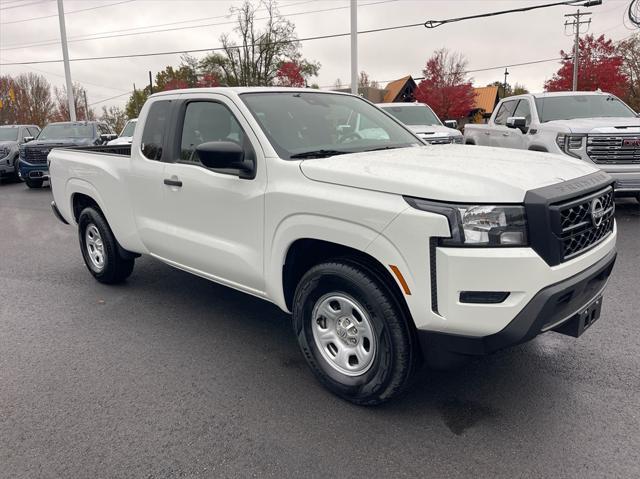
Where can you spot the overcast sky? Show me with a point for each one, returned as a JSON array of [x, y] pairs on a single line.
[[489, 42]]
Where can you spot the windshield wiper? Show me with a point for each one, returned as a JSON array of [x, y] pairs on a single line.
[[319, 154], [384, 148]]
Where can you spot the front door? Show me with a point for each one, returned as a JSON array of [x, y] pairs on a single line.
[[215, 218]]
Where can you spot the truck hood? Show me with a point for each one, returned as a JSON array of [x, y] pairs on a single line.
[[59, 142], [599, 125], [460, 173], [433, 130]]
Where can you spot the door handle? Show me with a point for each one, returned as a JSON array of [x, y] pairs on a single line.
[[487, 133], [506, 134], [170, 182]]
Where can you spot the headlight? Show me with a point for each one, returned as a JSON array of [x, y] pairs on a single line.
[[569, 142], [4, 151], [458, 140], [479, 225]]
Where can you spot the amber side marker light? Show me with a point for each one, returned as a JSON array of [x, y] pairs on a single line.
[[401, 280]]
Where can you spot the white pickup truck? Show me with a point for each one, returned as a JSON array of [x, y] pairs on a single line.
[[386, 251], [595, 127]]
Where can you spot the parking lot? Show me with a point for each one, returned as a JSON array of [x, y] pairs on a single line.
[[170, 375]]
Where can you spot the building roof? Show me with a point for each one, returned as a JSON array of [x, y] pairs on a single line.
[[486, 98], [395, 87]]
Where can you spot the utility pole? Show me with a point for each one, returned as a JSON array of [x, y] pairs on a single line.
[[150, 84], [86, 106], [354, 47], [65, 57], [575, 24], [504, 85]]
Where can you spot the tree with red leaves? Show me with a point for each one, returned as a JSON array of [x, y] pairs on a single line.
[[290, 74], [445, 87], [599, 67]]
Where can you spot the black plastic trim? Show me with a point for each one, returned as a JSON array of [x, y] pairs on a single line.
[[549, 305], [538, 203], [57, 214]]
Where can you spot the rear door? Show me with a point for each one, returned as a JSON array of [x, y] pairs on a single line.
[[148, 155], [216, 217]]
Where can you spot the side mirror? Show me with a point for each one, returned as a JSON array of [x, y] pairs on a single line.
[[27, 139], [451, 124], [108, 137], [225, 154], [519, 122]]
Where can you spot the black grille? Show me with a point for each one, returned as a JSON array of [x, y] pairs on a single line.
[[36, 156], [585, 221], [614, 149]]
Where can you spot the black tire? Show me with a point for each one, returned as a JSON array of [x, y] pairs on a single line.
[[31, 183], [396, 352], [16, 170], [115, 269]]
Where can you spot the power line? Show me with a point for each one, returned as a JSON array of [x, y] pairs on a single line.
[[85, 39], [24, 5], [68, 13], [197, 50]]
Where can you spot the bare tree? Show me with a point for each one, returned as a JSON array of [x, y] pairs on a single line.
[[253, 55], [62, 104], [629, 50], [115, 117], [26, 99]]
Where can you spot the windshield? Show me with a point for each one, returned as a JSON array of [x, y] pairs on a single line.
[[581, 106], [414, 115], [8, 134], [128, 129], [299, 123], [57, 131]]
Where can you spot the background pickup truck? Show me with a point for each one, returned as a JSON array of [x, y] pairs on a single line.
[[386, 251], [33, 154], [595, 127]]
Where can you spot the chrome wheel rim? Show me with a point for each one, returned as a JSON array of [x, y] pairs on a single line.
[[94, 246], [344, 334]]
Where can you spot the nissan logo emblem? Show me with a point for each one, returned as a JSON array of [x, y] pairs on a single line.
[[597, 212]]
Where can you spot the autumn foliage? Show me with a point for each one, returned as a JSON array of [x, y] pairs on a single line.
[[289, 74], [445, 87], [599, 67]]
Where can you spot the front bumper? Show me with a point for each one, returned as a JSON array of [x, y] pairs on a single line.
[[34, 171], [550, 308], [6, 165]]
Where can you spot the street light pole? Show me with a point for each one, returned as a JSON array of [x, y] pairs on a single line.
[[504, 85], [354, 47], [65, 57]]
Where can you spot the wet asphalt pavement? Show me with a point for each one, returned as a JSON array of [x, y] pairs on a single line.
[[170, 375]]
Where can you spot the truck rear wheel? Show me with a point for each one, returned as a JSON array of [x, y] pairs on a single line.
[[100, 249], [353, 333], [33, 183]]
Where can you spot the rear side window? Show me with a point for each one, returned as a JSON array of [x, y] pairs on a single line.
[[505, 111], [155, 130]]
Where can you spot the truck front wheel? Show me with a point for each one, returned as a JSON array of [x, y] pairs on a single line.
[[100, 249], [353, 333]]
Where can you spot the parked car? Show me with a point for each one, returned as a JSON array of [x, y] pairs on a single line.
[[385, 251], [421, 119], [33, 154], [595, 127], [126, 135], [11, 137]]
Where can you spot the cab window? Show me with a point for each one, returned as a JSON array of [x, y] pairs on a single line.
[[207, 121], [505, 111], [523, 110]]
